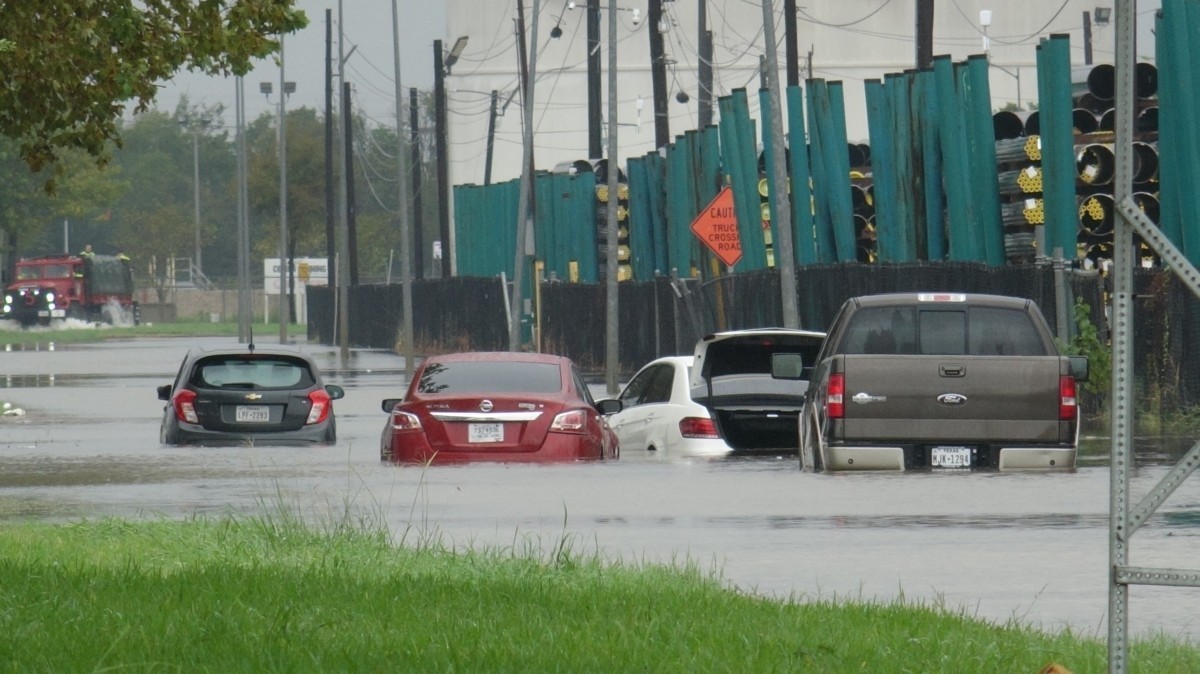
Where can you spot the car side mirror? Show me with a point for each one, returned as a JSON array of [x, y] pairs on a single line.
[[164, 392], [609, 406], [787, 366], [335, 392], [1079, 367], [390, 403]]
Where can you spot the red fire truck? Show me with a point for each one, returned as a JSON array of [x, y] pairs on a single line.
[[86, 287]]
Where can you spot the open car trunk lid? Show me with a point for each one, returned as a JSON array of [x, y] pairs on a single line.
[[754, 410]]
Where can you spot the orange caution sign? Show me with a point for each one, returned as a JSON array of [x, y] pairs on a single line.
[[717, 228]]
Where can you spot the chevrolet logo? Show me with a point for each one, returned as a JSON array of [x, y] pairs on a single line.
[[253, 396]]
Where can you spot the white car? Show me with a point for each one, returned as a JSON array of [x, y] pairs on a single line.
[[659, 415]]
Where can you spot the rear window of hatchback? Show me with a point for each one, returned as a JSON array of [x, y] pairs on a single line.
[[252, 372]]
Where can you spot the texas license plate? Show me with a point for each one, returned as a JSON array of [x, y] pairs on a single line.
[[951, 457], [253, 413], [485, 433]]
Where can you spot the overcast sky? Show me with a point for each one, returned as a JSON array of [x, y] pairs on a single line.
[[369, 68]]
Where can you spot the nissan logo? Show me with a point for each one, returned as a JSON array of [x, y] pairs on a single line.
[[485, 406], [952, 399]]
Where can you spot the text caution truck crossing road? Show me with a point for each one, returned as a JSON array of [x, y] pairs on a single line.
[[717, 228]]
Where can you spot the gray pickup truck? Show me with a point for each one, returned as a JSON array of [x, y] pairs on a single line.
[[919, 381]]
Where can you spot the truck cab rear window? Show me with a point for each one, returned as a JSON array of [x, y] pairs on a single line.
[[976, 331]]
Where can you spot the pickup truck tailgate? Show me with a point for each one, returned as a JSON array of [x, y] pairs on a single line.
[[952, 398]]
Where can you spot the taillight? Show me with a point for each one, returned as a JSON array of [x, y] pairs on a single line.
[[698, 427], [320, 406], [569, 422], [835, 396], [405, 421], [185, 407], [1068, 406]]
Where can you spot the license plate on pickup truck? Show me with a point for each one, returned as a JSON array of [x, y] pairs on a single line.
[[253, 413], [485, 433], [950, 457]]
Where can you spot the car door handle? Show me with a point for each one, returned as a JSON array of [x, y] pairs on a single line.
[[952, 369]]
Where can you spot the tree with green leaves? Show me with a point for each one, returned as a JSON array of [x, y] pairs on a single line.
[[72, 66]]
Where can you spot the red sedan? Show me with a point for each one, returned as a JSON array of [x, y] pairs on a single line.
[[497, 406]]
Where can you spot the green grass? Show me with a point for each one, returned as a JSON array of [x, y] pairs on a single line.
[[17, 336], [270, 595]]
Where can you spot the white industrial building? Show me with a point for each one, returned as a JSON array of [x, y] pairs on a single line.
[[849, 41]]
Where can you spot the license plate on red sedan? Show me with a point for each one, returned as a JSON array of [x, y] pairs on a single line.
[[950, 457], [485, 433], [253, 413]]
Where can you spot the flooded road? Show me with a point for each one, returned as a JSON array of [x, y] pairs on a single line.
[[1033, 547]]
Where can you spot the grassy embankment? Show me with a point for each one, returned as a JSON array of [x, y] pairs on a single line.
[[269, 594]]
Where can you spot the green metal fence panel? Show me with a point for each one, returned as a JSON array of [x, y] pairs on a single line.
[[883, 165], [1058, 145], [768, 166], [1170, 105], [982, 144], [486, 228], [818, 108], [657, 258], [1178, 141], [841, 202], [743, 157], [802, 214], [954, 159], [642, 220], [932, 227]]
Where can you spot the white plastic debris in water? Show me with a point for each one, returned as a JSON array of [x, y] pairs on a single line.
[[10, 411]]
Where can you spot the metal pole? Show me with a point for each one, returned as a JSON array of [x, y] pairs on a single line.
[[524, 232], [611, 354], [245, 310], [343, 270], [704, 69], [786, 260], [440, 149], [418, 238], [402, 199], [285, 309], [595, 150], [196, 188], [1087, 38], [658, 75], [491, 140], [1122, 346]]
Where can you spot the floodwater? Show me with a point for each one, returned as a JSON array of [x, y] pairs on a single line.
[[1031, 547]]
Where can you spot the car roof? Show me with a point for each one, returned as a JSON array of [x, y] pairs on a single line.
[[928, 298], [759, 332], [498, 357], [197, 352]]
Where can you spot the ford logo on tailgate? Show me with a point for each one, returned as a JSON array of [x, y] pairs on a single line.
[[952, 399]]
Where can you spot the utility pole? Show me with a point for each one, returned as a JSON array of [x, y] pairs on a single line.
[[524, 246], [351, 201], [402, 200], [443, 171], [924, 34], [658, 76], [330, 232], [1087, 38], [414, 123], [491, 140], [786, 259], [343, 301], [611, 352], [595, 151], [285, 300], [792, 39], [245, 311], [705, 69]]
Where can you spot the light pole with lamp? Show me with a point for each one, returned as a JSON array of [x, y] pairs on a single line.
[[195, 126], [285, 267], [985, 20]]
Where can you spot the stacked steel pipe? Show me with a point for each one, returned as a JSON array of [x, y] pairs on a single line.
[[1095, 162]]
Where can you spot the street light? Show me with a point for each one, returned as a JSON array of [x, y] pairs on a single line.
[[285, 266], [985, 20]]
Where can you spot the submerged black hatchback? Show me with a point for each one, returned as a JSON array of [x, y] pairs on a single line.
[[248, 396]]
